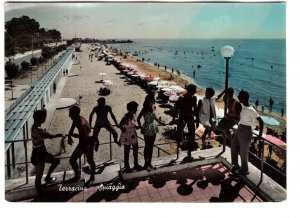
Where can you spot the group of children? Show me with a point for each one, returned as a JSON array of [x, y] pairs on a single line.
[[237, 112], [88, 140]]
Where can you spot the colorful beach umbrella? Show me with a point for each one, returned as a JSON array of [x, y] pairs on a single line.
[[153, 83], [200, 131], [174, 98], [276, 141], [149, 78], [270, 121]]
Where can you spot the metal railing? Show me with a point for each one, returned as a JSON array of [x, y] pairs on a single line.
[[280, 175], [11, 164]]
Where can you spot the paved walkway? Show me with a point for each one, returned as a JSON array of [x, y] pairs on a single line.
[[210, 183]]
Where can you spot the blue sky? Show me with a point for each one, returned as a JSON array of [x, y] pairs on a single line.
[[157, 20]]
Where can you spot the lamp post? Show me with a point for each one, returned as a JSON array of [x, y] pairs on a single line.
[[32, 46], [227, 52], [32, 68]]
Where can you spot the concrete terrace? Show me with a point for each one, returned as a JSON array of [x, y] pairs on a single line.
[[198, 181]]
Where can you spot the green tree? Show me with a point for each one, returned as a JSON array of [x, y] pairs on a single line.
[[54, 34], [12, 70], [34, 61], [23, 25], [23, 34], [25, 65]]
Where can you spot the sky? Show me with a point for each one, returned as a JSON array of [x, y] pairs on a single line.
[[157, 20]]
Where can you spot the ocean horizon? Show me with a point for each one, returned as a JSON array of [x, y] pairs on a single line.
[[257, 66]]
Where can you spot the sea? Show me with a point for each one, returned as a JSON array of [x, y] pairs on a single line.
[[257, 66]]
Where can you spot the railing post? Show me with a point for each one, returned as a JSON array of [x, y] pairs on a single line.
[[13, 155], [110, 147], [8, 163], [261, 144], [158, 154], [84, 159], [26, 159], [80, 163]]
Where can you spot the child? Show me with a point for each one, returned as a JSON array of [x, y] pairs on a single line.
[[40, 155], [128, 136], [242, 138], [149, 129], [102, 110], [207, 112]]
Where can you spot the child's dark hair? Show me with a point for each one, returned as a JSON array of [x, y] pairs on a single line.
[[148, 99], [101, 101], [132, 106], [191, 88], [75, 110], [210, 91], [39, 114], [244, 94]]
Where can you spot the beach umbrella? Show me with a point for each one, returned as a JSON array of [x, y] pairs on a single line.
[[149, 78], [160, 86], [183, 92], [174, 98], [276, 141], [153, 83], [280, 146], [270, 121], [200, 131], [166, 89], [169, 93], [176, 88], [142, 76], [108, 83], [102, 74]]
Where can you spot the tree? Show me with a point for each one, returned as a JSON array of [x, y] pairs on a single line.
[[23, 33], [25, 65], [34, 61], [41, 59], [12, 70], [47, 52], [23, 25], [54, 34]]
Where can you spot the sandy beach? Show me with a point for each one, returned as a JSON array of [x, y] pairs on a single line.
[[82, 81]]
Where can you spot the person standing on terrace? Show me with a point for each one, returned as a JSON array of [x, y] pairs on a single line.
[[232, 115], [128, 136], [85, 145], [207, 112], [243, 136], [149, 129], [102, 111], [39, 155], [187, 106]]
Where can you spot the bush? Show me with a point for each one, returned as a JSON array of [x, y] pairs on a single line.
[[34, 61], [41, 60], [47, 52], [25, 65], [12, 70]]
